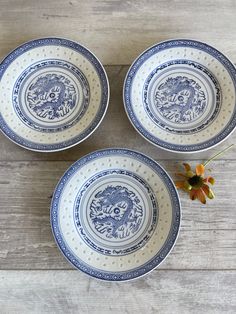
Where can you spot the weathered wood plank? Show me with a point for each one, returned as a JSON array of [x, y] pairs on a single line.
[[112, 132], [33, 248], [117, 31], [207, 239], [159, 292]]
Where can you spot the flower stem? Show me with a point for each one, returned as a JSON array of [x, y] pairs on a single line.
[[217, 155]]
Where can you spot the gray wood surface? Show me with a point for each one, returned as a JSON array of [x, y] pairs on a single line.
[[119, 30], [200, 273], [163, 292]]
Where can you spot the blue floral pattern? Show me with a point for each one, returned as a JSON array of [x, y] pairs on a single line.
[[51, 96], [115, 212], [180, 99]]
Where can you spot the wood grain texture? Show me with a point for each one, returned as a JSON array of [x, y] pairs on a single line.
[[207, 238], [164, 292], [112, 132], [34, 248], [119, 30], [199, 276]]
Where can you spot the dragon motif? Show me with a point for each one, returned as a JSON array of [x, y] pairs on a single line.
[[51, 96], [180, 99], [116, 212]]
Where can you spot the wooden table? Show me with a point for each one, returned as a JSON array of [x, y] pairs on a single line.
[[199, 276]]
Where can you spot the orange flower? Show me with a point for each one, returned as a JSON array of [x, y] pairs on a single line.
[[195, 184]]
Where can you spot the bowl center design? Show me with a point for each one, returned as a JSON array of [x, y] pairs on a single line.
[[180, 99], [182, 96], [116, 212], [51, 96]]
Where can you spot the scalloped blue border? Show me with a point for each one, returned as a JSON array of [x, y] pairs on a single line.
[[104, 101], [139, 271], [128, 86]]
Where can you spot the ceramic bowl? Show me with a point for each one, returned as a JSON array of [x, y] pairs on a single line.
[[53, 94], [180, 95], [115, 214]]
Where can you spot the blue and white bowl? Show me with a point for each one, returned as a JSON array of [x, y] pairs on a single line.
[[180, 95], [53, 94], [115, 214]]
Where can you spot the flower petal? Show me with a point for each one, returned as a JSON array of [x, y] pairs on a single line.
[[181, 175], [209, 193], [193, 194], [200, 170], [190, 174], [187, 167], [205, 189], [187, 186], [201, 196], [179, 184], [210, 180]]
